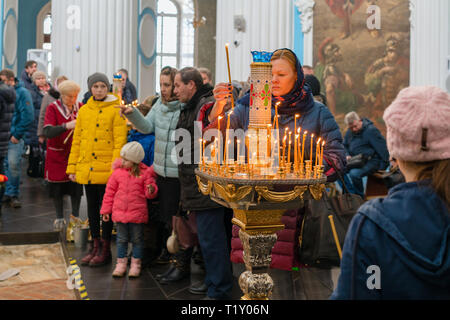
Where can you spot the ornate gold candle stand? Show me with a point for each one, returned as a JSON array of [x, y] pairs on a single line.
[[258, 204]]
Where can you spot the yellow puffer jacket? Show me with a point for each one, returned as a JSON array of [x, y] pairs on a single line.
[[99, 136]]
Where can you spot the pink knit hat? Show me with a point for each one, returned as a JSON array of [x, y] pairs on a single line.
[[418, 125]]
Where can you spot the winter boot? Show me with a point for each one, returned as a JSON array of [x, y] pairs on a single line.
[[121, 268], [182, 267], [94, 249], [104, 256], [135, 269]]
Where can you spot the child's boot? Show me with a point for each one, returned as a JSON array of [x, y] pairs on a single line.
[[135, 268], [121, 268]]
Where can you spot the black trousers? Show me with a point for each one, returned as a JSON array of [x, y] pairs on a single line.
[[169, 204], [169, 199], [94, 197]]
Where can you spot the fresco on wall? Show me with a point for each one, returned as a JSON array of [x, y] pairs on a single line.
[[360, 69]]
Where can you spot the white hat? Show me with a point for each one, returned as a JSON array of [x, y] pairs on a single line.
[[133, 152]]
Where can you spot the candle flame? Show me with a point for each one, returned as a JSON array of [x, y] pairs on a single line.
[[323, 143], [227, 45]]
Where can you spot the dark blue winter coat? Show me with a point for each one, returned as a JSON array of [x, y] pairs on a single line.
[[23, 112], [315, 118], [26, 80], [407, 235], [147, 142], [370, 142], [7, 105]]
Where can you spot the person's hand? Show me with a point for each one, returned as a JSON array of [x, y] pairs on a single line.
[[71, 125], [125, 110], [14, 140], [41, 139], [151, 189], [72, 177], [222, 92], [349, 157], [106, 217]]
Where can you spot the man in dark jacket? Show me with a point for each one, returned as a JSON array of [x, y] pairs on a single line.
[[218, 283], [7, 100], [22, 118], [363, 138], [27, 73]]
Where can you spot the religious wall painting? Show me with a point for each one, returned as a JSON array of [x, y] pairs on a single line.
[[361, 69]]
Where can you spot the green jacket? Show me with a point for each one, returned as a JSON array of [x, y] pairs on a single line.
[[162, 120]]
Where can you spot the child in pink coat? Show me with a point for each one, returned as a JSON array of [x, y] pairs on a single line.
[[127, 191]]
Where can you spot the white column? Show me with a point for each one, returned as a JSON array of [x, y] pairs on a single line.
[[9, 18], [93, 36], [430, 43], [146, 48], [268, 27]]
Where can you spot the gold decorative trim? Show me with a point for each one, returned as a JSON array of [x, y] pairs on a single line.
[[205, 189], [317, 191], [229, 192], [281, 196]]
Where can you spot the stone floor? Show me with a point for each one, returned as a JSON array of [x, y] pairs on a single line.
[[37, 215]]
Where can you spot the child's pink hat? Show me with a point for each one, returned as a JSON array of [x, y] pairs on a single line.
[[418, 125]]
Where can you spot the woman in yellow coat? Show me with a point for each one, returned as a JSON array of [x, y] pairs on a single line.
[[99, 135]]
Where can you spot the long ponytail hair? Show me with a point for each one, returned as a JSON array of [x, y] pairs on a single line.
[[439, 173]]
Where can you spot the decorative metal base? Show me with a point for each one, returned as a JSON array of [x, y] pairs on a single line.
[[258, 206]]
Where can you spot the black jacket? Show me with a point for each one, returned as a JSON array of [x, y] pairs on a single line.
[[191, 198], [7, 105]]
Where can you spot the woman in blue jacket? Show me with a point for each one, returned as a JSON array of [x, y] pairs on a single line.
[[399, 247], [295, 96]]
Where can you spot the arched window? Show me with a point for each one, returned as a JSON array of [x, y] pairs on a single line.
[[175, 35], [44, 33]]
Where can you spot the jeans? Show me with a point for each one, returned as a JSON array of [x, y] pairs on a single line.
[[357, 174], [130, 232], [213, 243], [13, 168]]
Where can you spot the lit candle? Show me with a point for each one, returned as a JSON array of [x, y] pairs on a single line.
[[238, 150], [201, 150], [284, 148], [203, 155], [296, 153], [312, 145], [303, 146], [318, 153], [321, 156], [290, 144], [218, 140], [269, 135], [275, 120], [229, 73], [227, 137]]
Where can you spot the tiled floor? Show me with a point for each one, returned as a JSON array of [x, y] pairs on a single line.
[[37, 215]]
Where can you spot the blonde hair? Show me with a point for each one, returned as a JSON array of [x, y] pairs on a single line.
[[38, 74], [286, 55], [68, 87]]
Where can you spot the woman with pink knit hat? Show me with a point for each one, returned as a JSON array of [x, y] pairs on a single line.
[[399, 247]]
